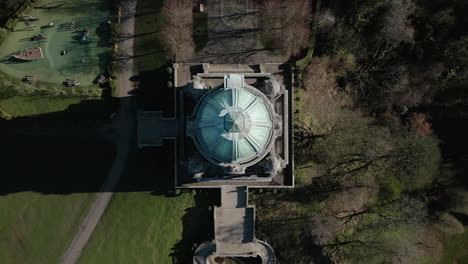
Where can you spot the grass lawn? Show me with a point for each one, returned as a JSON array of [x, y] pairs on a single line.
[[138, 228], [85, 59], [34, 105], [37, 228], [145, 221], [47, 187]]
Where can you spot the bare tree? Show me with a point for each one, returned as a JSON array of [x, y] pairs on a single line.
[[295, 33], [324, 229], [176, 34], [288, 22], [326, 20], [397, 25]]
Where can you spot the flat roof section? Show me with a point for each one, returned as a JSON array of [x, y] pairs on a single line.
[[153, 128]]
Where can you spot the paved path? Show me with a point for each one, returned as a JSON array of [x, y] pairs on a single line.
[[124, 125], [234, 230]]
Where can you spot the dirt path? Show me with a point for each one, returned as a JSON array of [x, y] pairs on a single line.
[[124, 125]]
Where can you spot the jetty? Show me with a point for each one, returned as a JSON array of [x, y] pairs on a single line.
[[29, 54]]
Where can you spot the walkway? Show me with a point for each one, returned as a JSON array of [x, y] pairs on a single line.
[[124, 125], [234, 229], [234, 223]]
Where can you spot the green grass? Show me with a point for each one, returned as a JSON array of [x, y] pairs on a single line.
[[138, 228], [455, 250], [145, 221], [18, 106], [3, 34], [48, 185], [84, 61], [302, 63], [37, 228]]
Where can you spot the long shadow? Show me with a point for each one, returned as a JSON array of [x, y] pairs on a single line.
[[153, 93], [129, 36], [58, 153], [24, 29], [71, 151], [151, 169], [286, 235], [11, 60], [198, 225]]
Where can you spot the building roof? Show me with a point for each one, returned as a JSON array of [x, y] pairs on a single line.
[[234, 124]]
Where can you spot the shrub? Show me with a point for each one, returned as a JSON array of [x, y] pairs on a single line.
[[390, 189]]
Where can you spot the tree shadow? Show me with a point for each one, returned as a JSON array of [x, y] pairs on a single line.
[[11, 60]]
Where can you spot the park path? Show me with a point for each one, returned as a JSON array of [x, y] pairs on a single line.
[[124, 125]]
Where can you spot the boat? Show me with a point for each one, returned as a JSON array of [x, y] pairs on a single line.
[[30, 54]]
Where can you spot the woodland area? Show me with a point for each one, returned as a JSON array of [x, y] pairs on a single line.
[[380, 141]]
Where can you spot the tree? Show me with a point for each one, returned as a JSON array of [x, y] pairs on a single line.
[[396, 23], [176, 33], [379, 76], [415, 160], [288, 22], [387, 233], [326, 20], [418, 122]]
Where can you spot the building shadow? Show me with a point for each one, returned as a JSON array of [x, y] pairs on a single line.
[[153, 92], [58, 153], [198, 225]]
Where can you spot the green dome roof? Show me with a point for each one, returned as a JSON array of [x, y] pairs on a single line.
[[234, 125]]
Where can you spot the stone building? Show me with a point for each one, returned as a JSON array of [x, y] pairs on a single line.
[[232, 127]]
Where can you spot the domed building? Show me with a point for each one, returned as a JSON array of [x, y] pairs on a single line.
[[239, 127], [235, 125], [231, 129], [231, 125]]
